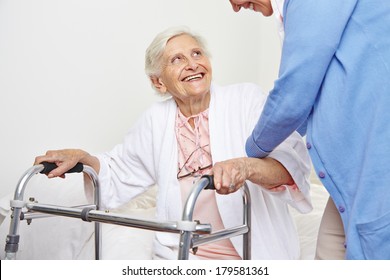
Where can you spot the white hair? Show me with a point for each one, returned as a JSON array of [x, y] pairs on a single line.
[[154, 52]]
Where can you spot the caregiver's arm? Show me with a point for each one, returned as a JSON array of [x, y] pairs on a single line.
[[307, 51]]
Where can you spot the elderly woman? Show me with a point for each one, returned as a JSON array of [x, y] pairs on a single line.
[[200, 130]]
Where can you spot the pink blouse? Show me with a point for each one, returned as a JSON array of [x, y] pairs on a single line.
[[194, 161]]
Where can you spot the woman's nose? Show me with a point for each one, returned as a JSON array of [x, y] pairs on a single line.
[[191, 64]]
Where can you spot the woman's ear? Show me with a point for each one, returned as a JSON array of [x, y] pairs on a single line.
[[158, 84]]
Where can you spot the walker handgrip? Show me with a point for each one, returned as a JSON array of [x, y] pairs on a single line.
[[49, 166], [211, 182]]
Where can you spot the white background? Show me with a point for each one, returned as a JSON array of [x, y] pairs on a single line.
[[72, 71]]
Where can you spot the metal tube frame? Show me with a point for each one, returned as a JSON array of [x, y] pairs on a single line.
[[17, 204], [189, 240], [192, 234]]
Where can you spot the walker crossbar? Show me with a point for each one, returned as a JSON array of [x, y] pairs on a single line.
[[90, 215], [192, 233], [29, 215]]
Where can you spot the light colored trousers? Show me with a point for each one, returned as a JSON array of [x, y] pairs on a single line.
[[331, 237]]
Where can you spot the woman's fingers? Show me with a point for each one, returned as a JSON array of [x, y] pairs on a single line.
[[229, 176], [64, 159], [62, 168], [278, 188]]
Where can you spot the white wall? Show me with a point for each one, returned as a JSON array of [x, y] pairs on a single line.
[[71, 71]]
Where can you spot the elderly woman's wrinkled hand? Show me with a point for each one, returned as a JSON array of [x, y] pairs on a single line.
[[230, 175], [64, 159]]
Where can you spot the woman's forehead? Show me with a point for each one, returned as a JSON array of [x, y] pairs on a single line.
[[180, 43]]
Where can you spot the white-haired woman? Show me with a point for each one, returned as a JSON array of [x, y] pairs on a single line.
[[200, 130]]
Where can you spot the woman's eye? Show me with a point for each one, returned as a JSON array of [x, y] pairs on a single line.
[[176, 60], [197, 53]]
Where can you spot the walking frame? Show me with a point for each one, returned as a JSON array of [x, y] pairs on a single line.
[[192, 233]]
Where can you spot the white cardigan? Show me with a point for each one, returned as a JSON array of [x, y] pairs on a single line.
[[149, 154]]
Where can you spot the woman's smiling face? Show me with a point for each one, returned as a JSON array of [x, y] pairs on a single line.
[[186, 70]]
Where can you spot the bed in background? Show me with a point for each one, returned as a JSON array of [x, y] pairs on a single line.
[[67, 238]]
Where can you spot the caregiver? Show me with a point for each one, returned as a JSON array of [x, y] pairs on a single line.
[[334, 85]]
